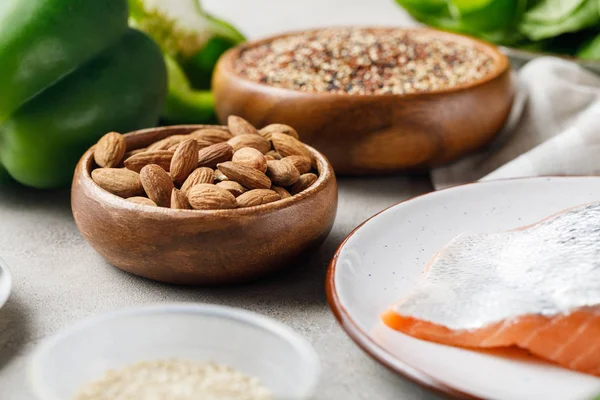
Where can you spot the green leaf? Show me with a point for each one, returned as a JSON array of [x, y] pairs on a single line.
[[424, 8], [498, 18], [591, 51], [467, 6], [587, 15], [548, 11]]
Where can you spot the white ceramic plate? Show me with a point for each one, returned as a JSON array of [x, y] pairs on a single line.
[[382, 260], [5, 283]]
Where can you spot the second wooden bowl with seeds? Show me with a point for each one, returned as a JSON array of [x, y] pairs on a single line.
[[373, 100], [204, 204]]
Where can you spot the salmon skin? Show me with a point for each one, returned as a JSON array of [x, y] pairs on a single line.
[[537, 288]]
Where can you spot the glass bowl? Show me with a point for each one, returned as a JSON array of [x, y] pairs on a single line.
[[5, 282], [260, 347]]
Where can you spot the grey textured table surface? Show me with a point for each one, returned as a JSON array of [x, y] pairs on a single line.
[[58, 278]]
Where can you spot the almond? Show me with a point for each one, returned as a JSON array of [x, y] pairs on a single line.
[[109, 150], [199, 175], [268, 130], [167, 142], [220, 177], [184, 160], [179, 200], [142, 200], [201, 144], [119, 181], [284, 194], [157, 184], [301, 163], [233, 187], [289, 146], [250, 157], [246, 176], [275, 155], [282, 173], [255, 141], [212, 135], [239, 126], [269, 157], [257, 197], [303, 183], [210, 197], [212, 155], [134, 152], [138, 161]]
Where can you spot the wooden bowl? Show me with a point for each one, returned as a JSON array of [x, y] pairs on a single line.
[[375, 134], [201, 247]]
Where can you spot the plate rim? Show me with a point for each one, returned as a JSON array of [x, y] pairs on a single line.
[[365, 342], [8, 276]]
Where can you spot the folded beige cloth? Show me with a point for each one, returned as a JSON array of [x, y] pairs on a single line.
[[554, 129]]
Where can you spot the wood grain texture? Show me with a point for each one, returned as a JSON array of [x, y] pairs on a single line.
[[377, 134], [201, 247]]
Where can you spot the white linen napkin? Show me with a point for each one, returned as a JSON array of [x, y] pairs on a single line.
[[554, 129]]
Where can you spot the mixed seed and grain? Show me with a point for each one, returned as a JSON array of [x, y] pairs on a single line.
[[208, 169], [364, 61]]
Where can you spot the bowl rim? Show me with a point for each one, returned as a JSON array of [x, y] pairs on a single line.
[[225, 64], [326, 175], [5, 282], [304, 349]]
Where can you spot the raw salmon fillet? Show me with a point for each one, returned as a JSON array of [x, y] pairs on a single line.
[[537, 288]]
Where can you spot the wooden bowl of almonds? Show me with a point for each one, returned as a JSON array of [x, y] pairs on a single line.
[[199, 204], [373, 100]]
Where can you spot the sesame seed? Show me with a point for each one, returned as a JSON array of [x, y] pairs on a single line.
[[174, 379], [364, 61]]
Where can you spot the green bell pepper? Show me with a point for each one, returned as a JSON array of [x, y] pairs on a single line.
[[192, 41], [70, 71]]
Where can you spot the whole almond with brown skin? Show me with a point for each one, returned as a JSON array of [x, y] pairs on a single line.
[[212, 135], [233, 187], [303, 183], [239, 126], [255, 141], [275, 155], [134, 152], [289, 146], [257, 197], [119, 181], [282, 173], [250, 157], [161, 158], [284, 194], [179, 200], [142, 200], [174, 147], [184, 160], [246, 176], [157, 184], [199, 175], [212, 155], [220, 177], [269, 158], [167, 142], [301, 163], [268, 130], [109, 150], [210, 197]]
